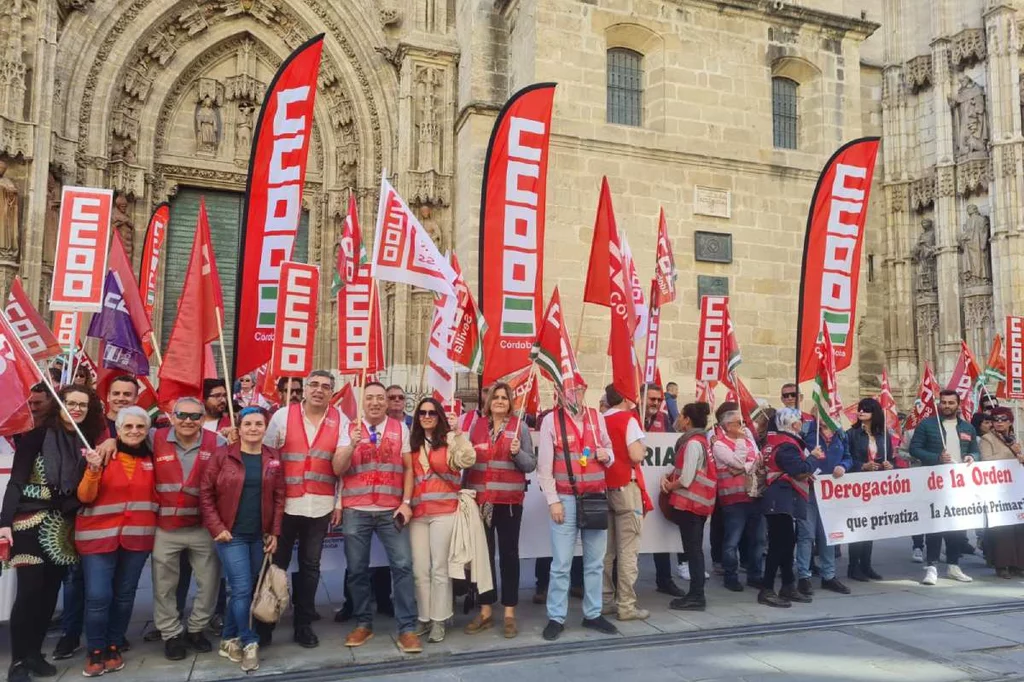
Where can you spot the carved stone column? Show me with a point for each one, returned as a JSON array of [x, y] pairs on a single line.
[[1008, 191]]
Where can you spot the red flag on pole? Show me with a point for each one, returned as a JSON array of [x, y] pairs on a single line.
[[469, 326], [525, 391], [67, 327], [122, 269], [553, 353], [28, 324], [18, 374], [195, 326], [965, 375], [1014, 386], [927, 396], [351, 253], [295, 330], [653, 332], [742, 395], [359, 330], [598, 287], [885, 398], [664, 266], [153, 247]]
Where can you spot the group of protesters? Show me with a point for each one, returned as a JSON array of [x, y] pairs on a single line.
[[213, 491]]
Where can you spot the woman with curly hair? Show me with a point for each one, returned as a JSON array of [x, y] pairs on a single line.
[[38, 518]]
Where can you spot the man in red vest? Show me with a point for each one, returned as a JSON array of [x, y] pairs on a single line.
[[625, 507], [376, 496], [215, 402], [180, 455], [312, 436]]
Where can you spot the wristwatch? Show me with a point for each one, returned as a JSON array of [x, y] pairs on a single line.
[[407, 502]]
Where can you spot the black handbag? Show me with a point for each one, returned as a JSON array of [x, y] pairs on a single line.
[[591, 508]]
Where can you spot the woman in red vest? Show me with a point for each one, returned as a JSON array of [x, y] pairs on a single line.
[[504, 455], [241, 499], [439, 454], [37, 520], [114, 535], [691, 488]]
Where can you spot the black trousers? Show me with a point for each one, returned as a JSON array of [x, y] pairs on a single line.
[[717, 534], [955, 541], [33, 608], [542, 573], [691, 532], [860, 556], [781, 544], [310, 533], [918, 541], [504, 533]]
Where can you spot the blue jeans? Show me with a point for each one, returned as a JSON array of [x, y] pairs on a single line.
[[74, 602], [358, 528], [808, 530], [743, 522], [240, 560], [110, 583], [563, 545]]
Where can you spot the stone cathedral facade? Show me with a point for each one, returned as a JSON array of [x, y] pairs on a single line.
[[722, 112]]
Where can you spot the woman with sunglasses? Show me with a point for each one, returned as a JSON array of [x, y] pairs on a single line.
[[439, 454], [504, 455], [114, 535], [872, 448], [37, 520], [1004, 545], [242, 502], [248, 395]]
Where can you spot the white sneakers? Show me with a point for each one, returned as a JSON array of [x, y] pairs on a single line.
[[953, 572], [917, 555], [683, 570], [931, 576]]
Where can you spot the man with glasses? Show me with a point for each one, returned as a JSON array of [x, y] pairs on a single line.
[[791, 397], [215, 403], [313, 436], [289, 391], [396, 404], [376, 493], [180, 455]]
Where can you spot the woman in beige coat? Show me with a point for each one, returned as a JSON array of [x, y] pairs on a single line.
[[1004, 545]]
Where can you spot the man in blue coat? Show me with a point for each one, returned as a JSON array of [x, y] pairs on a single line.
[[831, 456], [946, 439]]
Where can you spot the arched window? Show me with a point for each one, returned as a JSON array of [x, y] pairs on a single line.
[[784, 113], [625, 87]]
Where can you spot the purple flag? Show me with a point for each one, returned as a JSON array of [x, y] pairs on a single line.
[[113, 325]]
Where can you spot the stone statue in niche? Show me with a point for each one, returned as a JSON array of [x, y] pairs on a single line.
[[974, 241], [207, 126], [243, 130], [425, 213], [122, 222], [10, 229], [970, 124], [924, 255], [52, 220]]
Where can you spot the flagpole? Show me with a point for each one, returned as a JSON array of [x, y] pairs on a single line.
[[938, 419], [367, 346], [156, 348], [69, 368], [529, 388], [224, 360]]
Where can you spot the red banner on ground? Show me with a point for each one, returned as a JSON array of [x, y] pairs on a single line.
[[273, 203], [154, 246], [80, 263], [512, 217], [1015, 358], [295, 330], [832, 247]]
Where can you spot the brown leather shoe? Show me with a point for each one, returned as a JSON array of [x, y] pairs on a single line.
[[408, 643], [359, 637], [510, 630], [479, 624]]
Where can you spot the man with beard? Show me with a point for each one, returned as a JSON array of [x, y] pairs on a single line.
[[289, 391], [215, 404]]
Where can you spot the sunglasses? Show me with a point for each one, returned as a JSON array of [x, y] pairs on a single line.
[[397, 397], [189, 416], [427, 413], [789, 395], [999, 419]]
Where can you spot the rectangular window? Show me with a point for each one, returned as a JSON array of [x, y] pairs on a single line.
[[784, 113], [625, 87]]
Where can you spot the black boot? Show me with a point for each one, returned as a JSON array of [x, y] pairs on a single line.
[[18, 672], [790, 593], [769, 598], [39, 666]]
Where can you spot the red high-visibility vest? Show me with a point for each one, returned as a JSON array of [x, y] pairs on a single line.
[[775, 472], [659, 424], [179, 499], [436, 489], [699, 497], [307, 466], [494, 476], [732, 488], [123, 514], [376, 475], [589, 478], [620, 472]]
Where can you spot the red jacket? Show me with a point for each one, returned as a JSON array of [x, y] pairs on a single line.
[[221, 490]]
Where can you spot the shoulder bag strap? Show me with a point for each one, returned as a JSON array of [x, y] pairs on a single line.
[[565, 451]]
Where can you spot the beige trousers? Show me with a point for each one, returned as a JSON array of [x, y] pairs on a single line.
[[431, 538], [167, 545], [625, 518]]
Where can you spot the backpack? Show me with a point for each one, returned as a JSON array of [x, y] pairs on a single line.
[[270, 598]]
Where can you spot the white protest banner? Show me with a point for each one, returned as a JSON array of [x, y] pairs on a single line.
[[904, 502]]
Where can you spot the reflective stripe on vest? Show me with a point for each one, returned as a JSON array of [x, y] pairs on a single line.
[[376, 475], [589, 479], [179, 498], [732, 488], [699, 497], [307, 466], [775, 472], [436, 489], [495, 477], [124, 513]]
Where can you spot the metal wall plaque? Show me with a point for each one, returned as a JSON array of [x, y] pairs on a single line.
[[712, 201], [712, 247], [711, 285]]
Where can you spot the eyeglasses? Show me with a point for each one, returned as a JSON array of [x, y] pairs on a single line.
[[999, 419], [133, 427], [789, 395], [217, 395], [189, 416], [72, 405], [316, 385], [427, 413]]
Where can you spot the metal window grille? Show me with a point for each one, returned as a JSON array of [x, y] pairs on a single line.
[[784, 113], [625, 87]]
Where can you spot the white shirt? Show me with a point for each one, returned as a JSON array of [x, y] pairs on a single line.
[[312, 506], [405, 449], [546, 451], [952, 439]]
